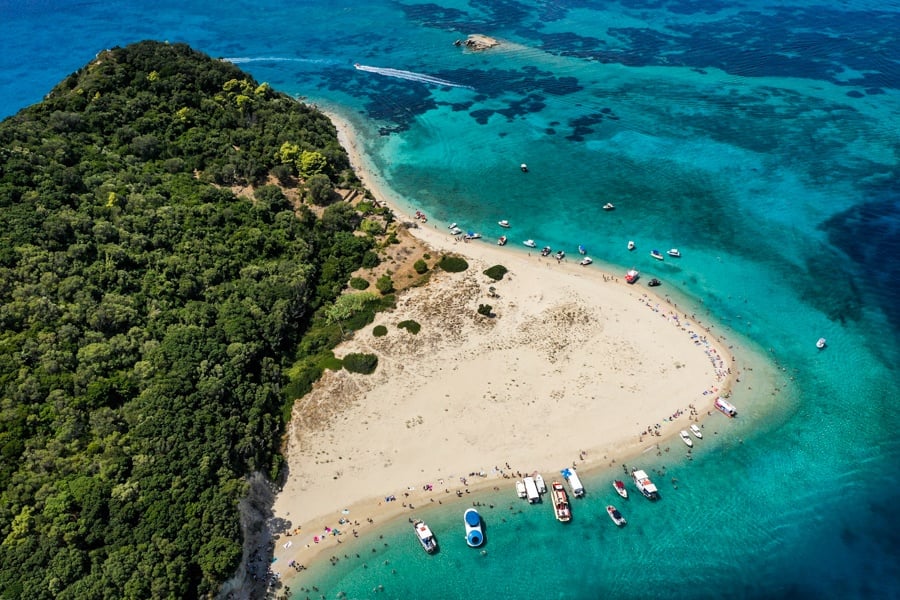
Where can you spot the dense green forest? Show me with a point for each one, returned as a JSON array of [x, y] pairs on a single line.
[[148, 316]]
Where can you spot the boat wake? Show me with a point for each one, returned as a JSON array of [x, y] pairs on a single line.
[[410, 76], [237, 60]]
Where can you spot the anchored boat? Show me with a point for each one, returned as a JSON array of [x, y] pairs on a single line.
[[561, 503], [474, 531], [425, 537], [644, 485]]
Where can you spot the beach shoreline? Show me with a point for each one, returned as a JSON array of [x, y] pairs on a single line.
[[321, 520]]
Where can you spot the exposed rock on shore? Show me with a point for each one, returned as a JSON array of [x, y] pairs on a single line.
[[476, 41]]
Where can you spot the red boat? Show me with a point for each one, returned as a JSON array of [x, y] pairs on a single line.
[[620, 488], [632, 275]]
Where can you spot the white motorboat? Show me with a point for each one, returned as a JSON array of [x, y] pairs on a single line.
[[504, 223], [656, 254], [502, 241], [686, 438], [455, 231], [609, 206], [820, 343], [696, 431], [615, 515], [426, 538], [574, 481], [474, 531], [673, 252], [619, 486], [726, 407], [644, 485], [582, 249], [561, 503], [524, 167], [531, 490], [473, 235], [586, 261], [631, 245], [530, 243], [451, 226], [546, 250], [539, 481], [520, 489]]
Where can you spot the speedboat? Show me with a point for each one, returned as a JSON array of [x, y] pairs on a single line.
[[472, 235], [608, 206], [503, 223], [631, 245], [619, 486], [455, 231], [426, 538], [615, 515], [654, 282], [520, 489], [586, 261], [530, 243], [474, 532], [673, 252], [539, 482], [632, 275], [546, 250], [696, 431], [524, 167], [560, 255], [820, 343], [502, 241], [582, 249], [686, 438], [561, 503], [656, 254], [450, 226]]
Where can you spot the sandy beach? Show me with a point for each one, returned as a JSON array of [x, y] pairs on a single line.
[[575, 367]]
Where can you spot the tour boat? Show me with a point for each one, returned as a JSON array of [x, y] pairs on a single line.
[[674, 253], [524, 167], [686, 438], [632, 275], [619, 486], [615, 515], [561, 502], [608, 206], [503, 223], [820, 343], [502, 241], [586, 260], [726, 407], [531, 490], [654, 282], [656, 254], [539, 481], [474, 532], [631, 245], [520, 489], [696, 431], [426, 538], [644, 485], [582, 249], [530, 243], [572, 477]]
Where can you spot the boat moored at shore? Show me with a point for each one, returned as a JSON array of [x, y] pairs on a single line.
[[531, 490], [686, 438], [632, 275], [539, 482], [502, 241], [560, 502], [425, 537], [644, 485], [619, 486], [615, 515], [520, 489], [474, 531], [574, 482], [726, 407], [696, 431], [586, 261]]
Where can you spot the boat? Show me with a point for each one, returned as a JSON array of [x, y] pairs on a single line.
[[619, 486], [726, 407], [474, 531], [524, 167], [686, 438], [572, 477], [560, 255], [472, 235], [696, 431], [654, 282], [632, 275], [502, 241], [504, 223], [530, 243], [609, 206], [539, 481], [631, 245], [615, 515], [426, 538], [673, 252], [531, 490], [586, 261], [455, 231], [520, 489], [582, 249], [820, 343], [450, 226], [644, 485], [546, 250], [561, 502], [656, 254]]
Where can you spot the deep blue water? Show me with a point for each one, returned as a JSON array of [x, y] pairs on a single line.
[[759, 138]]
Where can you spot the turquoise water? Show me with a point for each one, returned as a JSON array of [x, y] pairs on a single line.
[[759, 138]]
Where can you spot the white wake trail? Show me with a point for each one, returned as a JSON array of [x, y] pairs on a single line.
[[410, 76]]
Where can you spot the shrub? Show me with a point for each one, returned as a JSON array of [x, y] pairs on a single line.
[[360, 363], [385, 284], [420, 266], [370, 260], [411, 326], [453, 264], [358, 283], [379, 331], [496, 272]]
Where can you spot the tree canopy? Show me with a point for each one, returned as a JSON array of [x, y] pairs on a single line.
[[147, 315]]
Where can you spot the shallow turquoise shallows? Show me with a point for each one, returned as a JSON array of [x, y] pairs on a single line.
[[760, 139]]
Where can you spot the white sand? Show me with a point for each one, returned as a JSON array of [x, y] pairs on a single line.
[[573, 368]]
